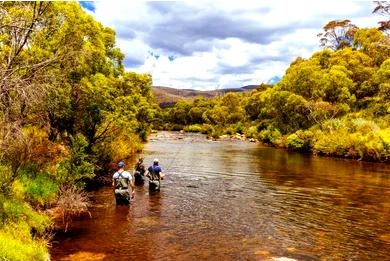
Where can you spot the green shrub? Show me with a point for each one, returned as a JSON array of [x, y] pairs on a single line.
[[361, 144], [294, 142], [216, 133], [76, 168], [300, 140], [250, 132], [240, 128], [270, 135], [17, 243], [16, 211], [40, 191], [229, 130], [207, 129], [193, 128], [333, 125], [363, 125], [6, 178]]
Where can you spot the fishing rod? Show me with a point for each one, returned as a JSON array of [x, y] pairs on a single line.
[[176, 154]]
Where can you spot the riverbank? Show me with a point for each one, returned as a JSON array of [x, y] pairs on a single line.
[[357, 139]]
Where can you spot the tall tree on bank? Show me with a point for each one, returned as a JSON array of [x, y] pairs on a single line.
[[383, 8], [337, 34]]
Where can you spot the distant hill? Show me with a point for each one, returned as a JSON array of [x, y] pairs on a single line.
[[167, 96]]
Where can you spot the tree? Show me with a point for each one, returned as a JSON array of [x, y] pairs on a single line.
[[23, 65], [337, 35], [304, 78], [383, 8], [373, 43], [283, 109]]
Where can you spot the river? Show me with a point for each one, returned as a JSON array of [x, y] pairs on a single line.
[[236, 200]]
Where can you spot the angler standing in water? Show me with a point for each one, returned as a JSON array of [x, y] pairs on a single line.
[[155, 176], [121, 182], [139, 172]]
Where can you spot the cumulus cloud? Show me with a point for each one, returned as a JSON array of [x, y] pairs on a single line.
[[205, 45]]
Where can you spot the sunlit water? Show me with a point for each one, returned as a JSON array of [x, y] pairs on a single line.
[[234, 200]]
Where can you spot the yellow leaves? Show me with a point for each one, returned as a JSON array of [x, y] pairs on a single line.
[[359, 139], [124, 146], [18, 190]]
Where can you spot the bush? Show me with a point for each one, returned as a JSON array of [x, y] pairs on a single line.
[[123, 147], [240, 128], [333, 125], [16, 211], [229, 130], [75, 168], [365, 142], [300, 140], [270, 135], [362, 125], [193, 128], [294, 142], [72, 202], [40, 191], [250, 132], [6, 178], [17, 243], [207, 129]]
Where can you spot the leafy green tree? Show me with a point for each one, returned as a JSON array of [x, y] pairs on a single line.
[[287, 111], [303, 78], [373, 43]]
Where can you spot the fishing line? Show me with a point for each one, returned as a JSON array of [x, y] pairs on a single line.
[[176, 154]]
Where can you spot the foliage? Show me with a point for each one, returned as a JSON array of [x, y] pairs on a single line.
[[270, 135], [40, 191], [17, 244], [75, 168], [193, 128], [14, 210], [301, 140]]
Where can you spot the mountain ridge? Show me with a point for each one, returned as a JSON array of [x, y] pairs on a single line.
[[168, 96]]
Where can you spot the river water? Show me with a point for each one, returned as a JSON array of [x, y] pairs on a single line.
[[236, 200]]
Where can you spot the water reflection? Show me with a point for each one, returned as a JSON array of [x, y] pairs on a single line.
[[241, 201]]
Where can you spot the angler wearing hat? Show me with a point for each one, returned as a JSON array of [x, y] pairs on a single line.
[[139, 172], [121, 182], [155, 176]]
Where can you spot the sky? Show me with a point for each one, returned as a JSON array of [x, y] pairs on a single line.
[[207, 45]]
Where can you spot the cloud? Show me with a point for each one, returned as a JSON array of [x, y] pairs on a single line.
[[204, 45]]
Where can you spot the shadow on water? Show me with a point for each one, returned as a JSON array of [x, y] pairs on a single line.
[[233, 200]]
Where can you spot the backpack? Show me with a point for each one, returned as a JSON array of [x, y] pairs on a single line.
[[121, 182]]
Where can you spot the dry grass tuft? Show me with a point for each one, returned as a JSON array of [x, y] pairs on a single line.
[[72, 202]]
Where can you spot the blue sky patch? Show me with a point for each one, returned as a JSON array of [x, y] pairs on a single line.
[[89, 5], [171, 57]]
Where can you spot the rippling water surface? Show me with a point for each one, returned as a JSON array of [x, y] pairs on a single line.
[[234, 200]]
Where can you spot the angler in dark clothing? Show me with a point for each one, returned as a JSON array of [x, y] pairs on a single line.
[[155, 176], [139, 172]]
